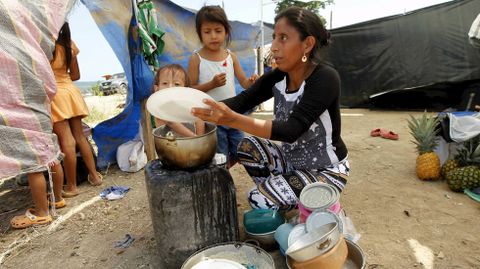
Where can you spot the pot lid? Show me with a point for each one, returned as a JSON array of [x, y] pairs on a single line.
[[318, 196], [218, 264], [319, 218]]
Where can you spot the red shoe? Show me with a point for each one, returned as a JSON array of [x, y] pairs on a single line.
[[389, 135], [377, 132]]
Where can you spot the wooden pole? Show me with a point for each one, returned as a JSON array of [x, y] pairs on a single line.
[[147, 130]]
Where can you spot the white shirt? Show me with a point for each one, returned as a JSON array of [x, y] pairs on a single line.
[[208, 69]]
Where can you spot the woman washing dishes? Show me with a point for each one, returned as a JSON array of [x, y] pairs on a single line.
[[306, 94]]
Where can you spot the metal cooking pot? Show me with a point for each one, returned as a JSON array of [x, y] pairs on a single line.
[[242, 253], [185, 152], [314, 243], [266, 240], [356, 258]]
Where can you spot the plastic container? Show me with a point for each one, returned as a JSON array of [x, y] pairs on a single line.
[[190, 210], [319, 196], [220, 160], [261, 221], [304, 213], [281, 235]]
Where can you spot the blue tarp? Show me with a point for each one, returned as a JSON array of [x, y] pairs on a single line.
[[114, 18]]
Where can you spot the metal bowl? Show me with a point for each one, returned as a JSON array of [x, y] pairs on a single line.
[[185, 152], [314, 243], [235, 251], [266, 240], [333, 259]]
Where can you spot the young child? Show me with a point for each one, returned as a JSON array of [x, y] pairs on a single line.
[[173, 75], [40, 215], [213, 70]]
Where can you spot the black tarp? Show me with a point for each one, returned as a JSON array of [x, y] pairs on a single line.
[[425, 47]]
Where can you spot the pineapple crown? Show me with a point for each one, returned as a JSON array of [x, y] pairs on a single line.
[[424, 132]]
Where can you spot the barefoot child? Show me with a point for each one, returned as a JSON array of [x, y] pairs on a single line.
[[173, 75], [213, 70]]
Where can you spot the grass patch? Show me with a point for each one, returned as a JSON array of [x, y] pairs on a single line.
[[95, 116]]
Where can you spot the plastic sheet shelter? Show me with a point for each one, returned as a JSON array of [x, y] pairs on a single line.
[[420, 48], [113, 18]]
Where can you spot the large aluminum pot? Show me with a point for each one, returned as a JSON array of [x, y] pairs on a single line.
[[239, 252], [185, 152], [356, 258]]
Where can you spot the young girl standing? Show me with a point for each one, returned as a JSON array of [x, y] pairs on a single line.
[[213, 70]]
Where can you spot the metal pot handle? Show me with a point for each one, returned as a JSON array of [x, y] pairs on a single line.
[[253, 242], [325, 244]]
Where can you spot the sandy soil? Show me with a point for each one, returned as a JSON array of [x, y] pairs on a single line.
[[103, 107], [403, 222]]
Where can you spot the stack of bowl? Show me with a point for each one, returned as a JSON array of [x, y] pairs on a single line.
[[318, 196], [261, 224]]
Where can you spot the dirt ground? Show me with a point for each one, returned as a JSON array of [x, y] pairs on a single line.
[[403, 222]]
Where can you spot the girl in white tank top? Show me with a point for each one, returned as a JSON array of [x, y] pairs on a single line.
[[213, 69]]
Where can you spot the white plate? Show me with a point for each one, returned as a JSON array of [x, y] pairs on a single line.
[[298, 231], [319, 218], [175, 104], [218, 264]]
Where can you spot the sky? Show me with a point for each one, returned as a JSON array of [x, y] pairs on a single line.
[[96, 58]]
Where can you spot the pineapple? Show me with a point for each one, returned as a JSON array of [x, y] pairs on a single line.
[[448, 166], [467, 176], [424, 132]]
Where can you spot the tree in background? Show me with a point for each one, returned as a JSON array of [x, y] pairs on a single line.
[[313, 6]]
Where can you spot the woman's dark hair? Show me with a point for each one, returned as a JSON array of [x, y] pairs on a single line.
[[175, 68], [307, 24], [64, 40], [212, 14]]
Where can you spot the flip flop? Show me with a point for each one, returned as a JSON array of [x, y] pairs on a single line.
[[29, 220], [69, 194], [93, 183], [389, 135], [376, 132]]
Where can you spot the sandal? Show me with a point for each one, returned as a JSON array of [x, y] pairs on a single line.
[[69, 194], [390, 135], [93, 183], [377, 132], [29, 220], [60, 204]]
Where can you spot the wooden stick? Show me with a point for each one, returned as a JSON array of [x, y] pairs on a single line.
[[147, 132]]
